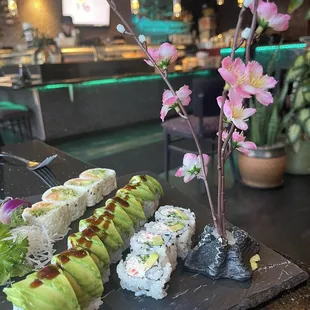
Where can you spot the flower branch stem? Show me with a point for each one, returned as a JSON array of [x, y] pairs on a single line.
[[238, 28], [252, 32], [163, 74]]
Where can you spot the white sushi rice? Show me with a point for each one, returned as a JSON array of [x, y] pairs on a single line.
[[105, 275], [115, 256], [56, 221], [77, 204], [169, 213], [126, 236], [152, 283], [107, 181], [183, 236], [94, 304], [140, 244], [93, 191]]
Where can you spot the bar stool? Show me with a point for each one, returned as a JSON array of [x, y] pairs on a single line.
[[14, 118]]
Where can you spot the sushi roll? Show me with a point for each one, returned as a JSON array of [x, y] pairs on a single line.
[[106, 177], [82, 273], [132, 206], [176, 213], [47, 289], [88, 240], [92, 189], [145, 275], [108, 234], [55, 217], [75, 199], [145, 242], [180, 230]]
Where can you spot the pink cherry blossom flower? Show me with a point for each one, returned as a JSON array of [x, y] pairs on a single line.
[[234, 111], [257, 83], [239, 142], [192, 167], [171, 102], [233, 72], [268, 16], [163, 56]]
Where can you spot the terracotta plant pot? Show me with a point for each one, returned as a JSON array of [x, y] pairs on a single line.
[[299, 163], [264, 167]]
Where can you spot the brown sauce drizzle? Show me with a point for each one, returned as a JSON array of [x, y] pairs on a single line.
[[36, 283], [49, 272], [88, 233], [64, 256], [122, 202], [110, 207], [85, 242], [130, 187], [143, 178]]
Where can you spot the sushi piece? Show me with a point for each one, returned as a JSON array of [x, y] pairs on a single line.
[[150, 181], [145, 242], [143, 193], [92, 189], [47, 289], [145, 275], [82, 273], [107, 178], [132, 206], [176, 213], [108, 234], [88, 240], [180, 230], [55, 217], [74, 198], [121, 220]]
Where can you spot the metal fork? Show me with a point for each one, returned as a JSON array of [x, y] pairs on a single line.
[[47, 176], [31, 165]]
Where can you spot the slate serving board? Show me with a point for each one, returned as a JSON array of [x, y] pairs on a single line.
[[192, 291]]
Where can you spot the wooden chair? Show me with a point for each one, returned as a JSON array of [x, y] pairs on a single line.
[[205, 120]]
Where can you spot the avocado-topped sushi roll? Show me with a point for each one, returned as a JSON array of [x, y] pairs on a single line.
[[107, 178], [132, 206], [88, 240], [75, 199], [120, 218], [92, 189], [47, 289], [174, 227], [55, 217], [107, 232], [151, 183], [145, 275], [82, 273], [176, 213], [145, 242]]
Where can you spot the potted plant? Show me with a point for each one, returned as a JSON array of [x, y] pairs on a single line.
[[297, 120]]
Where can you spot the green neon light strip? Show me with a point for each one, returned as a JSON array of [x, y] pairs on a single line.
[[267, 48], [132, 79]]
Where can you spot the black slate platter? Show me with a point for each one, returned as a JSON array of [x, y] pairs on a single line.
[[192, 291]]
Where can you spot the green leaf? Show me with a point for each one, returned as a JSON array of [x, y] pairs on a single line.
[[273, 126], [297, 70], [17, 218], [294, 133], [294, 5], [303, 114], [308, 14], [299, 99], [306, 126]]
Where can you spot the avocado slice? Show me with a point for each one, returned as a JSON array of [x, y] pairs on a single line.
[[151, 260], [105, 230], [81, 267], [46, 289], [175, 226], [115, 213], [130, 204], [152, 183], [157, 241], [179, 213], [88, 240], [139, 190]]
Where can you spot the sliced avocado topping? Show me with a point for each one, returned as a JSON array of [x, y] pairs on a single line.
[[175, 227], [157, 240], [151, 260], [181, 214], [81, 182], [152, 183], [139, 190]]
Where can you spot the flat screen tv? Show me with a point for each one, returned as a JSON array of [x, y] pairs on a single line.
[[87, 12]]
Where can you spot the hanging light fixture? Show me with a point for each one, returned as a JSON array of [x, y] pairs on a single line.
[[177, 8], [240, 3], [135, 6], [12, 7], [220, 2]]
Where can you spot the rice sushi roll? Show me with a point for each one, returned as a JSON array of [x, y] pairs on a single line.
[[145, 242], [92, 189], [75, 199], [108, 234], [47, 289], [88, 240], [145, 275], [106, 177], [176, 213], [82, 273], [179, 229], [55, 217], [151, 182]]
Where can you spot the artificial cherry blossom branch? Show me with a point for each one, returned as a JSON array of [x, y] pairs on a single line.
[[251, 37]]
